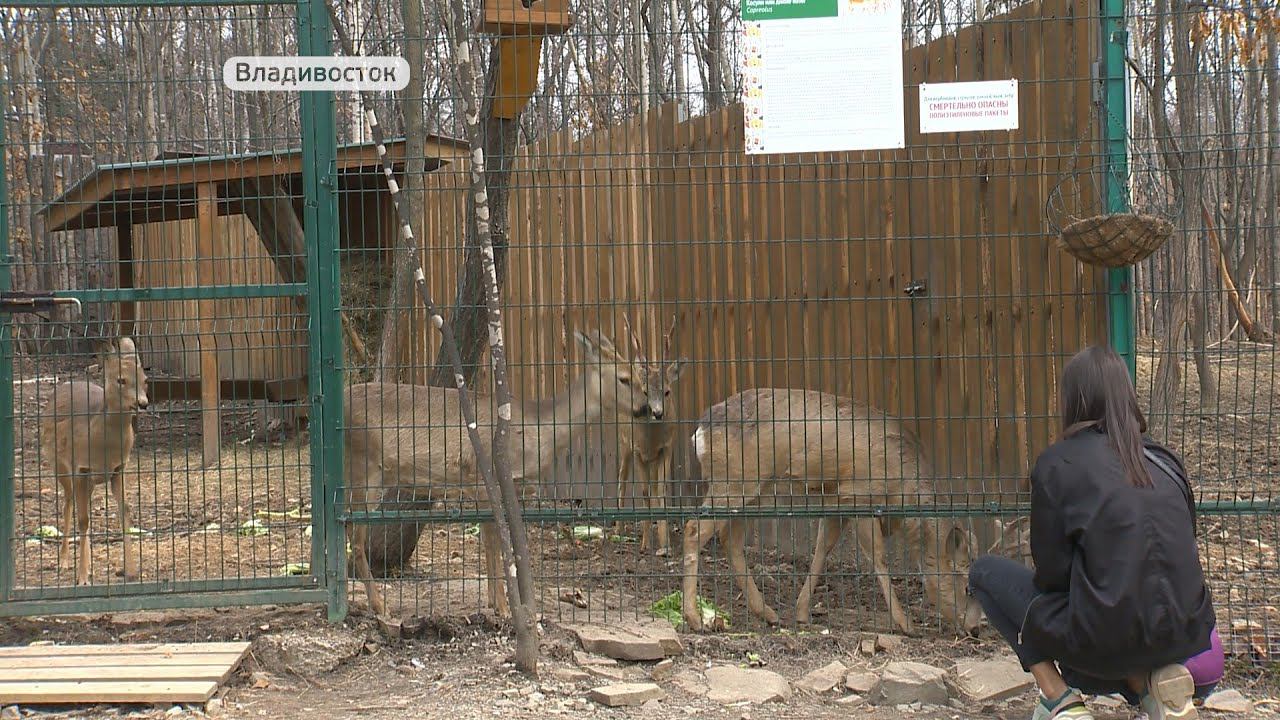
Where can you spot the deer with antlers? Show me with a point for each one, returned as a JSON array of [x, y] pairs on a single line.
[[644, 444]]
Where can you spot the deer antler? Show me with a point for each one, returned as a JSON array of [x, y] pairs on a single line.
[[666, 338], [636, 352]]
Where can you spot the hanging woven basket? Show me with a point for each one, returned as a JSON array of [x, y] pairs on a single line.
[[1076, 213], [1115, 240]]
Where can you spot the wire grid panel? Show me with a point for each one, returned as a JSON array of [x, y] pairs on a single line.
[[167, 418], [911, 299], [1206, 309]]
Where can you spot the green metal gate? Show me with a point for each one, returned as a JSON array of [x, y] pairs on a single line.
[[227, 524]]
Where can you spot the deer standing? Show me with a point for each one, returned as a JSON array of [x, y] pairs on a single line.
[[414, 435], [644, 445], [768, 442], [87, 438]]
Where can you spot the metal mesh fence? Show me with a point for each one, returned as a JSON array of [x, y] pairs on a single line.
[[910, 309], [156, 450]]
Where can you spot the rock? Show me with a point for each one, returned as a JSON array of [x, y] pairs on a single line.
[[861, 682], [11, 713], [569, 675], [903, 683], [308, 652], [824, 678], [868, 646], [584, 659], [1228, 701], [213, 708], [690, 682], [889, 643], [728, 685], [851, 700], [662, 670], [648, 641], [990, 681], [616, 673], [626, 694]]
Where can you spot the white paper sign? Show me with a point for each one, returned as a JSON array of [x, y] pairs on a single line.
[[969, 106], [829, 82]]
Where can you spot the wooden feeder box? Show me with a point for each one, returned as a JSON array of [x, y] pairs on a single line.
[[511, 17]]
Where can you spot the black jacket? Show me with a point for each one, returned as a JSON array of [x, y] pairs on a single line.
[[1117, 566]]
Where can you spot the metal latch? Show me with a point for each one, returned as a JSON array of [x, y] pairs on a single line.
[[916, 288], [16, 302]]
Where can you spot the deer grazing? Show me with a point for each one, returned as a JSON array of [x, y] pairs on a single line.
[[644, 445], [87, 437], [415, 435], [763, 443]]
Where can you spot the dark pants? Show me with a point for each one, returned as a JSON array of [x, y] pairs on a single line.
[[1005, 590]]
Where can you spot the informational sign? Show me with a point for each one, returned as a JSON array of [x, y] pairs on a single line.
[[822, 75], [969, 106]]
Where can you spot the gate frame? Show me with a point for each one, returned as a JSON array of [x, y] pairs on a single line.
[[326, 582]]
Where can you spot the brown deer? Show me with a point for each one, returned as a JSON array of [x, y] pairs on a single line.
[[414, 435], [644, 445], [87, 437], [768, 442]]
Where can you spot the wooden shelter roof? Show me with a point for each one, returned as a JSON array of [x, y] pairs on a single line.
[[165, 188]]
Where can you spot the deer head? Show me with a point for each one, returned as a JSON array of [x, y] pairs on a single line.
[[123, 378], [659, 377]]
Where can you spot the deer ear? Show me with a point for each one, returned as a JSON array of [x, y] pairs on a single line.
[[588, 345], [675, 369]]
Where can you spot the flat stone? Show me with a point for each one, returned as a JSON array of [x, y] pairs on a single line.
[[990, 681], [889, 643], [690, 682], [584, 659], [861, 682], [730, 685], [1228, 701], [662, 670], [851, 700], [904, 683], [632, 641], [824, 678], [616, 673], [569, 675], [868, 646], [626, 694]]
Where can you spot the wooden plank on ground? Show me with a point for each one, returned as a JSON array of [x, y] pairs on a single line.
[[195, 648], [65, 692], [139, 673]]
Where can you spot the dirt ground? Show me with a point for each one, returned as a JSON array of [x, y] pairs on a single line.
[[460, 667], [191, 520]]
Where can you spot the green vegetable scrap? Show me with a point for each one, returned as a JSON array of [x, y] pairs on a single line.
[[668, 608]]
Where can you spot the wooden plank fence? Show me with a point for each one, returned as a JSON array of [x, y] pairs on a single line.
[[795, 269]]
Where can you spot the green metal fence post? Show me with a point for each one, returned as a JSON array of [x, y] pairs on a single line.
[[320, 220], [8, 503], [1115, 39]]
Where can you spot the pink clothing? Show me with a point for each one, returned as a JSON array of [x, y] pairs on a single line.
[[1207, 667]]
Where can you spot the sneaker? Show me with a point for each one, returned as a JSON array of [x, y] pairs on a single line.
[[1069, 707], [1170, 690]]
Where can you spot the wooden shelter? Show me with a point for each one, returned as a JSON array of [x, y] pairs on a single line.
[[190, 219]]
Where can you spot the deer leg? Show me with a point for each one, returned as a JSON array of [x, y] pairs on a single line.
[[830, 530], [130, 571], [68, 496], [624, 481], [496, 581], [361, 488], [735, 539], [657, 496], [871, 539], [696, 533], [358, 535], [83, 491]]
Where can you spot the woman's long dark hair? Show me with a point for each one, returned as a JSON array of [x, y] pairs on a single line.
[[1097, 393]]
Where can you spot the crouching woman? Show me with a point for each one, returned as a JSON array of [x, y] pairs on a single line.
[[1117, 603]]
